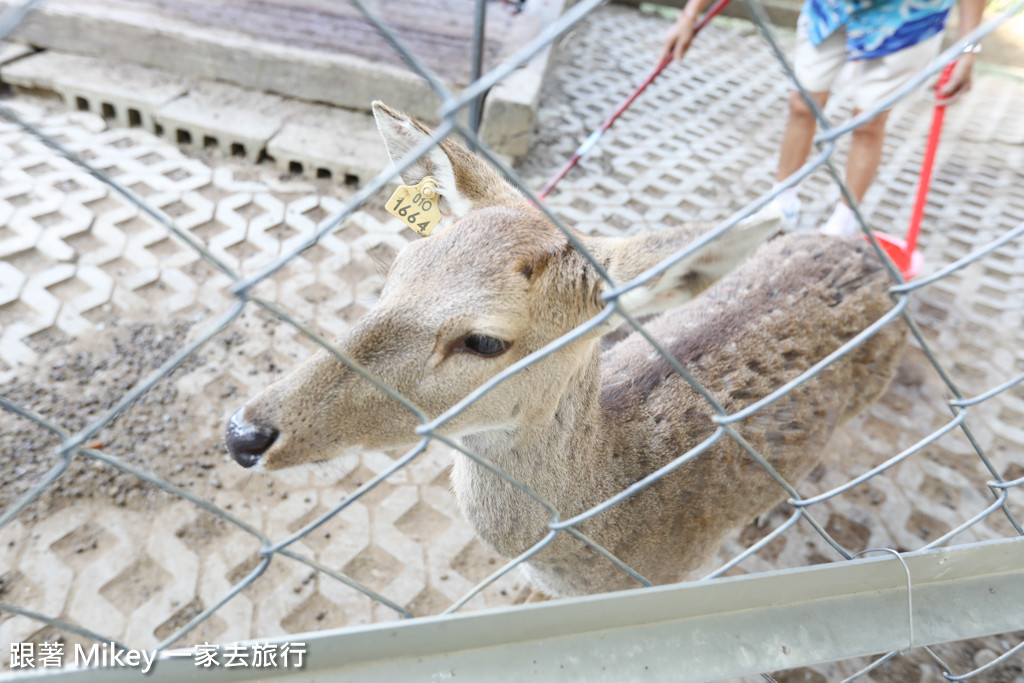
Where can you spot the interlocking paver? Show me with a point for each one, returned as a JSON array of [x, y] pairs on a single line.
[[125, 93], [698, 145]]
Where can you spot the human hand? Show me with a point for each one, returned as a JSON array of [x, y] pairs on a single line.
[[959, 81], [679, 37]]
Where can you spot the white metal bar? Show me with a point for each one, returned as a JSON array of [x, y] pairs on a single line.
[[694, 632]]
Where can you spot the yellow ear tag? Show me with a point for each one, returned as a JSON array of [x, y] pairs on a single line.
[[417, 205]]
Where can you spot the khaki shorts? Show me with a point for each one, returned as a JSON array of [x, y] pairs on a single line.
[[870, 80]]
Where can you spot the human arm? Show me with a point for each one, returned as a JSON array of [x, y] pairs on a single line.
[[960, 80], [679, 37]]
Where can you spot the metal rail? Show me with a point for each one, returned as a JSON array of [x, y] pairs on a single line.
[[701, 631], [719, 627]]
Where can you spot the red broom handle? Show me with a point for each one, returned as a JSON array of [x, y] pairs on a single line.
[[589, 143], [928, 162]]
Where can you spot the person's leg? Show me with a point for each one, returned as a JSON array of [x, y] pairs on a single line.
[[816, 69], [866, 143], [799, 135], [876, 80]]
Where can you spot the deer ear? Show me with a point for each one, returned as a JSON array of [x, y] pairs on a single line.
[[464, 181], [628, 257]]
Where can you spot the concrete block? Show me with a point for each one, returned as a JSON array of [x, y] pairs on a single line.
[[30, 74], [135, 33], [123, 92], [507, 121], [151, 37], [10, 52], [238, 121], [326, 142]]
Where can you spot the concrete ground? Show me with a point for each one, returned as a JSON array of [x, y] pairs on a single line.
[[276, 78], [94, 296]]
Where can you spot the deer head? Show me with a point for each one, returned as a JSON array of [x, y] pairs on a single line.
[[496, 282]]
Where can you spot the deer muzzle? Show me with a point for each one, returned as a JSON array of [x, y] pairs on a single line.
[[248, 442]]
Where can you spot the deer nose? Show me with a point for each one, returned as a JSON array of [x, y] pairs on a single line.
[[248, 442]]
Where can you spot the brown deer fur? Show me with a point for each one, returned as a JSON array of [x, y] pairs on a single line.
[[579, 425]]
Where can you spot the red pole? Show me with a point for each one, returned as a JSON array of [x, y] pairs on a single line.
[[592, 139], [924, 183]]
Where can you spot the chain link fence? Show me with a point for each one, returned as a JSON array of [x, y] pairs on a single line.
[[77, 444]]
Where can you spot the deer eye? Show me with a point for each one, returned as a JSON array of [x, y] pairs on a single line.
[[485, 346]]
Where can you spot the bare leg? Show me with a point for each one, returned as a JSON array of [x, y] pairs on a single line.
[[865, 155], [799, 135]]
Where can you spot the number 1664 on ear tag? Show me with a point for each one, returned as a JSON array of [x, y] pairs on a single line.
[[417, 205]]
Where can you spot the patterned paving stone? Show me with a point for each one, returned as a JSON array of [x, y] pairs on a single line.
[[699, 145], [707, 142]]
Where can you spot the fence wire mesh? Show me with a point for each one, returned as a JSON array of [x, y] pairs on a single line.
[[77, 444]]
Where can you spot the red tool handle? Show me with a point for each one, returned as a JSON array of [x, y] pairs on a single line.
[[926, 165], [592, 139]]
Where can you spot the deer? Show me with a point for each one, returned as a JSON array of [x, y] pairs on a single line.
[[498, 281]]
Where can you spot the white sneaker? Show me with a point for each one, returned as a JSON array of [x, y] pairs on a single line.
[[842, 222], [768, 212], [791, 220], [789, 204], [785, 207]]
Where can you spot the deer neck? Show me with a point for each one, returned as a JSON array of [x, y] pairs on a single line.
[[557, 457]]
